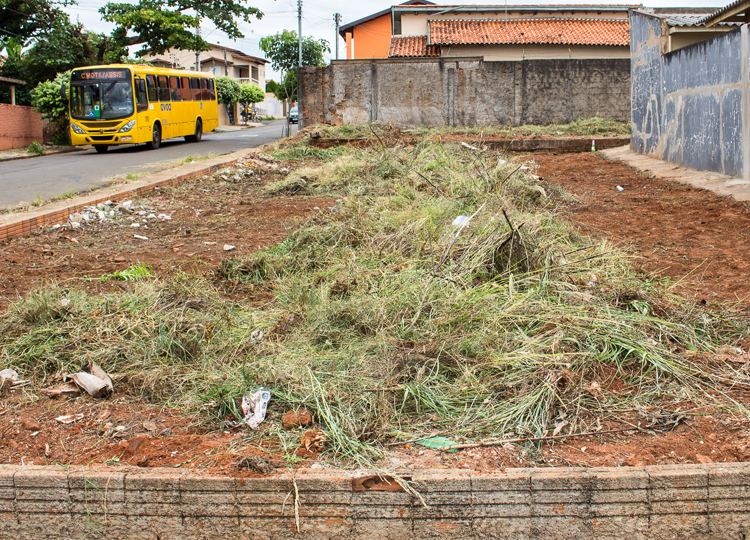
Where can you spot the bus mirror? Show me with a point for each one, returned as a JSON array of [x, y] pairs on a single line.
[[63, 92]]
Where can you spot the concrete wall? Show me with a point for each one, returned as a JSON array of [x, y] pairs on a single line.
[[688, 104], [19, 126], [695, 502], [465, 91]]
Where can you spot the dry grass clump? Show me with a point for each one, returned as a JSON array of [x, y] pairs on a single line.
[[395, 317]]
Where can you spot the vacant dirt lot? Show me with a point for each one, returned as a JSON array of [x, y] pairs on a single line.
[[697, 240]]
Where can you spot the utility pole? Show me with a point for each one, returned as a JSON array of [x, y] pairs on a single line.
[[197, 52], [226, 69], [337, 20], [299, 65]]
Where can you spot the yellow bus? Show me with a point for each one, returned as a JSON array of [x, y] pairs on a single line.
[[132, 104]]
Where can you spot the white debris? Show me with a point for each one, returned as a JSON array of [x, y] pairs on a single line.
[[139, 237], [460, 220], [229, 247], [620, 188]]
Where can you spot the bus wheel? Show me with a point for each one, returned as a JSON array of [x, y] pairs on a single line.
[[198, 132], [101, 148], [156, 139]]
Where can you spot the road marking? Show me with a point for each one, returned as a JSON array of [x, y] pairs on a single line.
[[248, 135]]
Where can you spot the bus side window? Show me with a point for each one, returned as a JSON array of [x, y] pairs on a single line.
[[174, 86], [211, 89], [185, 88], [153, 94], [140, 95], [205, 95], [195, 86], [163, 87]]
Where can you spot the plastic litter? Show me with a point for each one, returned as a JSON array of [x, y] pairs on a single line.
[[461, 220], [437, 443], [465, 145], [620, 188], [70, 418], [95, 382], [254, 406], [10, 377]]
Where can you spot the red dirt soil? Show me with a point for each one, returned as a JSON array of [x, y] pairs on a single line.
[[678, 231]]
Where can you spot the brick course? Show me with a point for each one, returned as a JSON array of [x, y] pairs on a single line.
[[19, 126], [691, 501]]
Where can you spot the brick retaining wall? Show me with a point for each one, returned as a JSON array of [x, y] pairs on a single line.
[[19, 126], [659, 502]]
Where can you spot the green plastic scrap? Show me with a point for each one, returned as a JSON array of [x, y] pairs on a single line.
[[437, 443]]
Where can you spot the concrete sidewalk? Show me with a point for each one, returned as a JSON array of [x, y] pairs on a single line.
[[14, 225], [718, 183]]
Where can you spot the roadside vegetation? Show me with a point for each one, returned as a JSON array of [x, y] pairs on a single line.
[[442, 295]]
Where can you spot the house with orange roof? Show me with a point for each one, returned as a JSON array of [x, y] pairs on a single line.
[[513, 32], [370, 37]]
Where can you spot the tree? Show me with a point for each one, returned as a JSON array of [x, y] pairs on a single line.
[[29, 19], [164, 24], [47, 99], [271, 86], [282, 50], [249, 93], [228, 90]]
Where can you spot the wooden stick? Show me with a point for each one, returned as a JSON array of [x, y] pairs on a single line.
[[482, 444]]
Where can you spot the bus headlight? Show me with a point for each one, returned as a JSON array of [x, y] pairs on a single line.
[[77, 129], [127, 127]]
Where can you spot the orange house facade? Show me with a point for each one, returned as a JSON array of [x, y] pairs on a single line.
[[370, 37]]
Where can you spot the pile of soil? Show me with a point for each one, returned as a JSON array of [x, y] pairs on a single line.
[[693, 237]]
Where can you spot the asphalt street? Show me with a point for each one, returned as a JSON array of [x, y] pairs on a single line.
[[47, 177]]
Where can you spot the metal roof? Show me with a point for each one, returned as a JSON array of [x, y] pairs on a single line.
[[732, 10]]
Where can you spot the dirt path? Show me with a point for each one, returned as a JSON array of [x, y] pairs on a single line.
[[689, 235]]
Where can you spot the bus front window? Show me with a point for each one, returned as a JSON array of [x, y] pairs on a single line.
[[84, 101], [117, 99], [101, 100]]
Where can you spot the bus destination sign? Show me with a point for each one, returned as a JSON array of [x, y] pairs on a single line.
[[103, 74]]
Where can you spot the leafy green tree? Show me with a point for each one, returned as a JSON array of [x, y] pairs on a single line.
[[47, 99], [228, 90], [271, 86], [288, 87], [282, 50], [28, 19], [249, 93], [164, 24]]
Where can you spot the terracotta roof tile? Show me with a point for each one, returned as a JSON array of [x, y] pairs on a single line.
[[530, 31], [411, 47]]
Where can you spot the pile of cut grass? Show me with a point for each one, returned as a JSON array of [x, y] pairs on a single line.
[[392, 319]]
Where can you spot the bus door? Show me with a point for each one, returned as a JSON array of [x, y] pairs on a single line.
[[165, 107], [143, 114], [178, 112], [187, 106]]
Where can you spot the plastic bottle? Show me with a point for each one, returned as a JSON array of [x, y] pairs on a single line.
[[593, 145]]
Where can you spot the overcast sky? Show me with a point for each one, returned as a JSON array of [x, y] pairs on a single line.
[[317, 18]]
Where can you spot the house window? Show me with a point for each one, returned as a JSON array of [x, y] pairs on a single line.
[[254, 71]]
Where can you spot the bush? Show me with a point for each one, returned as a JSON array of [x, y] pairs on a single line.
[[47, 100], [228, 91], [35, 148]]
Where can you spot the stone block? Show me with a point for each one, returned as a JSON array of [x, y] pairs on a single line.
[[212, 528], [502, 528], [442, 528], [250, 498], [153, 480], [620, 527], [679, 526], [272, 484], [268, 528], [441, 480], [208, 503], [621, 509], [266, 510], [328, 497], [514, 480], [549, 527], [576, 510], [385, 512], [679, 507], [668, 477], [216, 484], [501, 497], [501, 510], [612, 496], [625, 479], [554, 479], [382, 529], [32, 479]]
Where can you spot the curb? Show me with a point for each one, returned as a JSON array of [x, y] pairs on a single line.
[[655, 502], [68, 151], [18, 225]]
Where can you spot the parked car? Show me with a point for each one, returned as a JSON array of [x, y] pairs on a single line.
[[293, 116]]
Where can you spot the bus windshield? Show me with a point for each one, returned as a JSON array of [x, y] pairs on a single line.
[[106, 99]]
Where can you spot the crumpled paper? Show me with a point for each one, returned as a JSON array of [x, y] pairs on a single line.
[[95, 382]]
